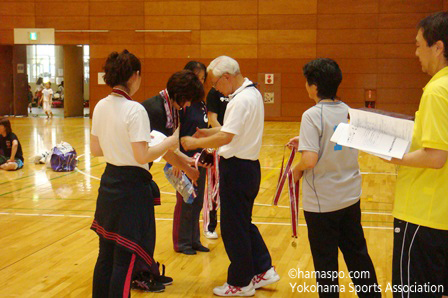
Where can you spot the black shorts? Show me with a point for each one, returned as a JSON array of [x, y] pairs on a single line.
[[420, 261]]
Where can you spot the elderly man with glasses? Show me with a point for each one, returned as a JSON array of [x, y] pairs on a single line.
[[239, 141]]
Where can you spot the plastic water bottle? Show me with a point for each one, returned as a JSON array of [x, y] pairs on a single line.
[[183, 185]]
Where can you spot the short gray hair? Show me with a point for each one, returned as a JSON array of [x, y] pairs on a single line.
[[222, 65]]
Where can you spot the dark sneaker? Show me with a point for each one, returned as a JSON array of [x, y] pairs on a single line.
[[143, 283], [165, 280]]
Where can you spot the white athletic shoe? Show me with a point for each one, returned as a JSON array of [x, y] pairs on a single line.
[[211, 235], [266, 278], [229, 290]]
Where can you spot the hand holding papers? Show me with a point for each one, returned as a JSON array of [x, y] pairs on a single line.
[[156, 138], [380, 135]]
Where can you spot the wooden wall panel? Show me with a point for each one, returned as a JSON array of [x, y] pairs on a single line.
[[158, 65], [66, 8], [281, 65], [293, 80], [116, 37], [400, 81], [193, 37], [399, 95], [372, 40], [283, 22], [285, 51], [246, 7], [172, 51], [411, 6], [102, 51], [366, 81], [174, 8], [400, 20], [287, 7], [229, 37], [358, 66], [411, 65], [6, 37], [296, 95], [172, 22], [247, 22], [353, 97], [337, 51], [63, 23], [117, 9], [445, 5], [290, 37], [17, 8], [117, 23], [347, 6], [11, 22], [347, 36], [235, 51], [396, 36], [347, 21], [396, 50], [68, 38]]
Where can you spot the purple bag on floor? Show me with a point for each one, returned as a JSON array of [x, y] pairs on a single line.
[[62, 158]]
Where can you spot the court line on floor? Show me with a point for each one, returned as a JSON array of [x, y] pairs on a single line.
[[170, 219]]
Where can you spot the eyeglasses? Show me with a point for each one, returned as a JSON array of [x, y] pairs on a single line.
[[216, 83]]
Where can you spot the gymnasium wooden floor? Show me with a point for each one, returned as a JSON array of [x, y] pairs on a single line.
[[48, 250]]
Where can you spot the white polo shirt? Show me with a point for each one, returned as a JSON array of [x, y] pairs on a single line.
[[117, 122], [244, 118]]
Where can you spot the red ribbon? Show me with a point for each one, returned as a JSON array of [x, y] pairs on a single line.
[[122, 93], [293, 191], [211, 192]]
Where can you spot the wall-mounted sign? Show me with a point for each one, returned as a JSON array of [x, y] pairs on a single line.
[[101, 78], [20, 68]]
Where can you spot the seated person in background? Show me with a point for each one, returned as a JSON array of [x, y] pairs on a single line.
[[11, 155]]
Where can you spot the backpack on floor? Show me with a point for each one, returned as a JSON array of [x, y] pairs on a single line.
[[62, 158]]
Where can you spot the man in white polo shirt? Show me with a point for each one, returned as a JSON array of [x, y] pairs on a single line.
[[239, 142]]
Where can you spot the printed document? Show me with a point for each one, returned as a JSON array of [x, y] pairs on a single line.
[[376, 134]]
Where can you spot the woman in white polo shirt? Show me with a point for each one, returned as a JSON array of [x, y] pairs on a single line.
[[124, 216]]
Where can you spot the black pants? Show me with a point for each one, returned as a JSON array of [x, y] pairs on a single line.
[[341, 229], [213, 214], [186, 233], [420, 258], [248, 254], [113, 271]]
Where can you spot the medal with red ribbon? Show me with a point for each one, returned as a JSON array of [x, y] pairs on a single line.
[[211, 192], [293, 192]]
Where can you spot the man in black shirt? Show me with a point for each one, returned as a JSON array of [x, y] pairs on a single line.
[[216, 106], [11, 154]]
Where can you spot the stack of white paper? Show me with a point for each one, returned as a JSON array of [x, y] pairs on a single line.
[[156, 138], [380, 135]]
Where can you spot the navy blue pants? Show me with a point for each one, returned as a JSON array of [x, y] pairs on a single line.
[[248, 254]]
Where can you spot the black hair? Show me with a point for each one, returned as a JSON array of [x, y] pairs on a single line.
[[5, 122], [119, 68], [435, 28], [184, 86], [196, 66], [325, 74], [39, 81]]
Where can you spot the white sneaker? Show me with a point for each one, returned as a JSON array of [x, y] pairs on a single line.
[[266, 278], [211, 235], [229, 290]]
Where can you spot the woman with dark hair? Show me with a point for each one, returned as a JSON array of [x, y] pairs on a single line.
[[11, 155], [186, 232], [183, 89], [124, 216]]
